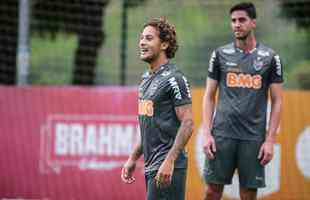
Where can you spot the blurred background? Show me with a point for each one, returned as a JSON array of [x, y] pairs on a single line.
[[60, 140], [94, 42]]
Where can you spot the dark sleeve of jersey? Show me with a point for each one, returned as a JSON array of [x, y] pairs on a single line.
[[214, 67], [179, 90], [276, 71]]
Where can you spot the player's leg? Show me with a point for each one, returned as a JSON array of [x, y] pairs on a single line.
[[175, 191], [178, 184], [152, 192], [214, 191], [251, 172], [248, 193], [219, 171]]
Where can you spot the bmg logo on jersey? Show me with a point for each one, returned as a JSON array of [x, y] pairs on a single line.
[[244, 80], [146, 108]]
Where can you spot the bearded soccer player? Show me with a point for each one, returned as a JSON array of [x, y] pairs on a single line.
[[165, 116], [244, 72]]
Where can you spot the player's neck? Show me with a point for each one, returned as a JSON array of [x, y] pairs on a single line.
[[161, 60], [247, 44]]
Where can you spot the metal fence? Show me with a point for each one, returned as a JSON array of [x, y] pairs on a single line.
[[96, 42]]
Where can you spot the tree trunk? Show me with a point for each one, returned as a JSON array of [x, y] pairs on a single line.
[[8, 41], [90, 38]]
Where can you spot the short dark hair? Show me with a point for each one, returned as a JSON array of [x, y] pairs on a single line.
[[248, 7], [167, 34]]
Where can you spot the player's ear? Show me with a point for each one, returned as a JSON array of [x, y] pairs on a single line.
[[254, 23], [164, 46]]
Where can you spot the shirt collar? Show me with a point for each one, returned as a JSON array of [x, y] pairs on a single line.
[[241, 51], [160, 68]]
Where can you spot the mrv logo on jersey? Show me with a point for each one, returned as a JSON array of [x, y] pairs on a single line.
[[87, 141]]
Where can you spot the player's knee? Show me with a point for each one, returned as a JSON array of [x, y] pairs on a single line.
[[248, 194], [213, 192]]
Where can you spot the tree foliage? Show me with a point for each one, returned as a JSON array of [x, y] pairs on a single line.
[[299, 11], [49, 17], [83, 18]]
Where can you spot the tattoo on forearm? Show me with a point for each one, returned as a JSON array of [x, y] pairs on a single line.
[[185, 130], [184, 133]]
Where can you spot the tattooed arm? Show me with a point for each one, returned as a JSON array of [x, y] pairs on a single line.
[[184, 114]]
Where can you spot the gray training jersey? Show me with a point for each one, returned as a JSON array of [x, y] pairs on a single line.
[[243, 80], [159, 93]]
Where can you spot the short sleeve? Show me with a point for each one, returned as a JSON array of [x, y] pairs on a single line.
[[179, 90], [214, 67], [276, 72]]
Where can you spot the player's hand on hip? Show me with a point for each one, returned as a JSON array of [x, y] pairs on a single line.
[[209, 146], [266, 152], [164, 174], [127, 171]]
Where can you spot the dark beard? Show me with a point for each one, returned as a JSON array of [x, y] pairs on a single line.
[[243, 38], [150, 59]]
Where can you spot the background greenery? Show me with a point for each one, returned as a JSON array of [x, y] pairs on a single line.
[[201, 27]]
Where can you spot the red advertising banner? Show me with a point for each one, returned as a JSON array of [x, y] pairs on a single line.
[[69, 143], [66, 143]]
